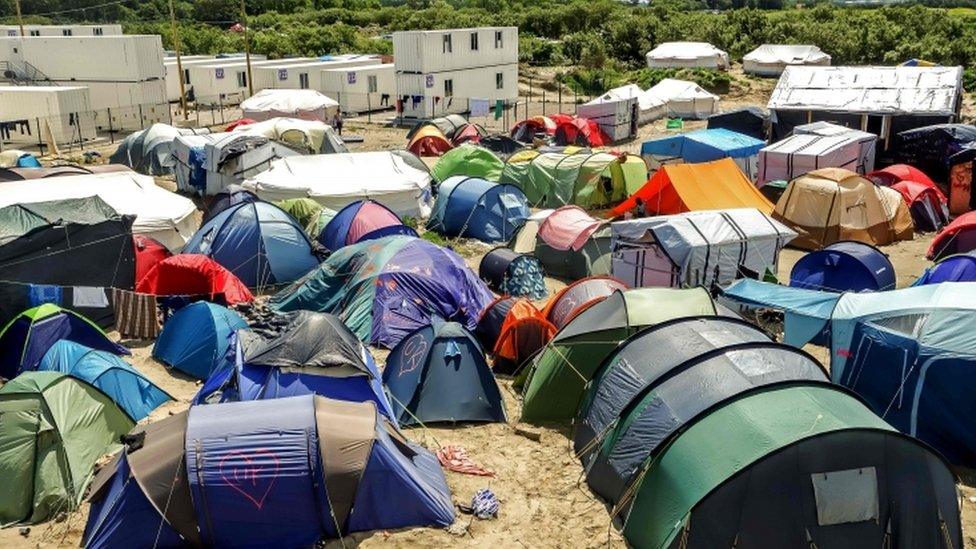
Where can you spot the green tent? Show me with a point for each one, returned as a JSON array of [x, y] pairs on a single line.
[[800, 465], [53, 428], [470, 161], [305, 210], [586, 179], [555, 381], [17, 220], [321, 220]]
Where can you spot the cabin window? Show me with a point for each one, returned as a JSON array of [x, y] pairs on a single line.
[[66, 32], [447, 48], [35, 33], [371, 85], [448, 88], [499, 80], [186, 76], [98, 31], [241, 79], [474, 41], [498, 40], [303, 80]]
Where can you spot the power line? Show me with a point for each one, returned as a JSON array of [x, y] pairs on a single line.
[[73, 10]]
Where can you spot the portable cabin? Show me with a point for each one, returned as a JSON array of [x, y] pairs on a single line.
[[51, 114], [107, 29], [814, 146], [171, 68], [224, 81], [772, 59], [440, 72], [286, 74], [682, 55], [697, 248], [880, 100], [360, 88]]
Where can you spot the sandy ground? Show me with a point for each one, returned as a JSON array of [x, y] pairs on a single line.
[[543, 501]]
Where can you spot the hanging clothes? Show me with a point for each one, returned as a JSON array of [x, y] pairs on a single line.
[[39, 294], [136, 315]]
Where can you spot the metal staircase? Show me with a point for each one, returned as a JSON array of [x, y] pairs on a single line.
[[24, 75]]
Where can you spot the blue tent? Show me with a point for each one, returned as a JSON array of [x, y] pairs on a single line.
[[298, 354], [359, 221], [439, 373], [258, 474], [135, 395], [26, 338], [703, 146], [476, 208], [28, 160], [231, 196], [195, 339], [844, 266], [258, 242], [955, 268]]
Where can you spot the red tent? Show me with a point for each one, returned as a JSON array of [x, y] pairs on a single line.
[[469, 133], [579, 295], [193, 274], [958, 237], [429, 141], [518, 330], [581, 131], [149, 252], [903, 172], [238, 123]]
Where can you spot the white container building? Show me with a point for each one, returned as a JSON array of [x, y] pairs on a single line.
[[305, 76], [440, 71], [225, 80], [62, 30], [361, 89], [34, 114], [173, 77]]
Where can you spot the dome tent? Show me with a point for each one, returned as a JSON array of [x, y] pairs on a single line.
[[195, 339], [470, 161], [928, 210], [55, 427], [194, 275], [429, 141], [513, 330], [954, 268], [568, 242], [348, 470], [384, 289], [582, 132], [231, 196], [476, 208], [303, 210], [258, 242], [958, 237], [845, 266], [130, 390], [513, 274], [359, 221], [439, 374], [27, 338], [298, 354]]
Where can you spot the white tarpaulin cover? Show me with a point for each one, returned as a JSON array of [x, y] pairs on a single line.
[[396, 179], [772, 59], [304, 136], [305, 104], [651, 107], [696, 248], [814, 146], [684, 99], [687, 54], [888, 90], [165, 216]]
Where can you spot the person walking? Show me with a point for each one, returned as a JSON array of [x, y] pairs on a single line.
[[337, 122]]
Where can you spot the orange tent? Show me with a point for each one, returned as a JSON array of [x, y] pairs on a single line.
[[678, 188], [514, 329], [429, 141]]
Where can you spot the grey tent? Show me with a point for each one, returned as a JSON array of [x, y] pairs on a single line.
[[149, 151]]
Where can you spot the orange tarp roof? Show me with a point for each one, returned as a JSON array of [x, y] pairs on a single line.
[[678, 188]]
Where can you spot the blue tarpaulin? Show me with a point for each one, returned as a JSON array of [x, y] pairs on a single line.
[[703, 145]]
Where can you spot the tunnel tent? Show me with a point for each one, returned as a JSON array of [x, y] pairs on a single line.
[[513, 274], [468, 160], [195, 339], [471, 207], [439, 374], [845, 266], [359, 221], [953, 268], [586, 179], [554, 383], [576, 297], [447, 125], [568, 242]]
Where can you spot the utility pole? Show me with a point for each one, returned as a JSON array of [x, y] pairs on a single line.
[[247, 50], [20, 19], [179, 60]]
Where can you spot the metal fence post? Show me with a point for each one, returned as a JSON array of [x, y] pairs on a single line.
[[111, 132], [560, 96], [369, 109], [220, 102], [40, 141], [543, 102], [142, 121]]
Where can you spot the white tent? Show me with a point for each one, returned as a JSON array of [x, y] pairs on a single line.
[[684, 99], [397, 179], [304, 104], [208, 164], [687, 55], [165, 216], [696, 248], [650, 107], [304, 136], [772, 59], [814, 146]]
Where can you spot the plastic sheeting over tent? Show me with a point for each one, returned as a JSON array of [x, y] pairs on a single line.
[[439, 374], [30, 335], [697, 248], [258, 242], [649, 108], [359, 221], [348, 470], [301, 104], [397, 179], [684, 99], [194, 275], [678, 188], [160, 214], [54, 429], [815, 146], [130, 390], [705, 146], [297, 354], [750, 121], [590, 180], [149, 151], [824, 206], [209, 164], [844, 267], [687, 55], [302, 136], [195, 339], [384, 289], [772, 59], [470, 161], [475, 208]]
